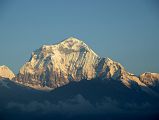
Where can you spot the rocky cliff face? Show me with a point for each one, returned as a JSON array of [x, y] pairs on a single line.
[[52, 66], [5, 72]]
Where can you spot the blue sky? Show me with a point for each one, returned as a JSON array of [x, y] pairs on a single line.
[[125, 30]]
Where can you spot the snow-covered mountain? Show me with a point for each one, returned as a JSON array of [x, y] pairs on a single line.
[[5, 72], [52, 66], [56, 65], [87, 86], [150, 79]]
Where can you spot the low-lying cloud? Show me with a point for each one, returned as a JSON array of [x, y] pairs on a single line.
[[78, 105]]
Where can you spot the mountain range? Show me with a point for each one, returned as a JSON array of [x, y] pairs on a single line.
[[69, 80]]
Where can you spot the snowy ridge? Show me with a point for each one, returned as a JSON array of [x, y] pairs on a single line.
[[52, 66]]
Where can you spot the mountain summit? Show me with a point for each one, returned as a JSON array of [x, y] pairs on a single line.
[[56, 65], [52, 66], [5, 72]]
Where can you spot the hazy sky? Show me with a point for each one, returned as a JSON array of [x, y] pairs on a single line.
[[125, 30]]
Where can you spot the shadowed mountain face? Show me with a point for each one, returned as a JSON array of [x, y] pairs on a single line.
[[69, 80], [105, 99]]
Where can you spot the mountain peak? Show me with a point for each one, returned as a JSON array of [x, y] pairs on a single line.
[[150, 79], [58, 64], [72, 39], [73, 43], [5, 72], [66, 46]]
